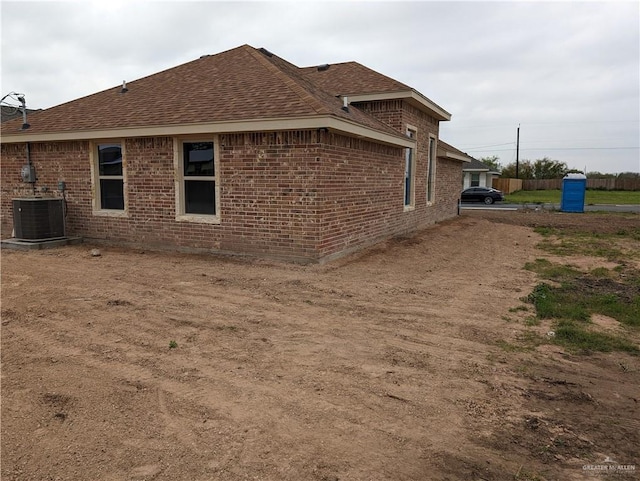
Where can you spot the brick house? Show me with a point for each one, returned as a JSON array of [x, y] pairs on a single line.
[[241, 152]]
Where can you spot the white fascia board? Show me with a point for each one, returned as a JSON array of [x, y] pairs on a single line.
[[261, 125], [418, 98], [451, 155]]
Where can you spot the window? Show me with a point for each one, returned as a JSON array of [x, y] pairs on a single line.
[[197, 189], [108, 169], [475, 180], [409, 173], [431, 170]]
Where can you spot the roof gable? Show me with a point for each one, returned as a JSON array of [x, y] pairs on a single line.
[[360, 83]]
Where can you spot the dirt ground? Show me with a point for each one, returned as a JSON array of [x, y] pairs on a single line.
[[386, 365]]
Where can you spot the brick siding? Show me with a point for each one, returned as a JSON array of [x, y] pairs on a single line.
[[297, 195]]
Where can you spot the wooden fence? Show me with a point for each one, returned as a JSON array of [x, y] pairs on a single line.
[[556, 184], [507, 186]]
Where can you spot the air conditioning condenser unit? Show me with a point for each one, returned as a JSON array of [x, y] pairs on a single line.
[[38, 219]]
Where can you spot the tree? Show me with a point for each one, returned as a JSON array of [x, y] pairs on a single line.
[[525, 170], [540, 169], [492, 162], [629, 175], [546, 168]]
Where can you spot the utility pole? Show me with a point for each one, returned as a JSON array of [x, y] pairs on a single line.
[[518, 152]]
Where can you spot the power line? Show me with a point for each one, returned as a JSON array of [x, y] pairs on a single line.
[[558, 148], [492, 145]]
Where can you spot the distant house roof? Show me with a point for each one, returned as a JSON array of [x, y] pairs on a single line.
[[242, 89], [450, 152], [477, 166]]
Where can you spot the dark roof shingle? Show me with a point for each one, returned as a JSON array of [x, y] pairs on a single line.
[[240, 84], [352, 78]]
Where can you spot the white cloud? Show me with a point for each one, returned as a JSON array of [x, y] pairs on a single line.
[[571, 69]]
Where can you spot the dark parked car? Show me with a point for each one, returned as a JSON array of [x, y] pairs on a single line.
[[481, 194]]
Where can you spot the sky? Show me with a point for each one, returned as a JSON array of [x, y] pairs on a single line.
[[566, 73]]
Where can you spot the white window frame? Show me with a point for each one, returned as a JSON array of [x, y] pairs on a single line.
[[410, 154], [432, 161], [181, 215], [94, 159]]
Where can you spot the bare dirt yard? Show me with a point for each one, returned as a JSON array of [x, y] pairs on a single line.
[[402, 362]]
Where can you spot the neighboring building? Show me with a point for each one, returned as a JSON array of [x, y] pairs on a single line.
[[242, 152], [477, 174]]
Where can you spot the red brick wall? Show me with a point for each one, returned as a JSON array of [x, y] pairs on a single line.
[[295, 195], [267, 193], [361, 192], [58, 161]]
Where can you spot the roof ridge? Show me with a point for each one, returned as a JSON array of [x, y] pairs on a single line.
[[291, 83]]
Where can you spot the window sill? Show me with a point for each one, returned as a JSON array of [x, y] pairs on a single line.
[[198, 218], [111, 213], [409, 208]]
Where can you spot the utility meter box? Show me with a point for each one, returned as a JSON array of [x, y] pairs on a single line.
[[28, 174], [574, 187]]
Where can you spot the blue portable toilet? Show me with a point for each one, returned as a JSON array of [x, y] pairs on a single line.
[[574, 187]]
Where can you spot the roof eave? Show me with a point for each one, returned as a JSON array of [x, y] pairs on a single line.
[[454, 156], [413, 97], [252, 125]]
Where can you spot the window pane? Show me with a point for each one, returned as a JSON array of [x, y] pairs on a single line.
[[111, 194], [475, 180], [408, 168], [198, 158], [110, 159], [430, 167], [199, 197]]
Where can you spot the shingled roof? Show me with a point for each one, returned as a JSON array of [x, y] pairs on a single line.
[[360, 83], [233, 87], [351, 78], [447, 151]]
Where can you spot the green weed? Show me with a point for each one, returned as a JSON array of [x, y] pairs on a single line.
[[576, 336], [549, 270]]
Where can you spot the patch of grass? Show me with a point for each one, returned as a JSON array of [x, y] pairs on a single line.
[[551, 271], [601, 272], [577, 300], [545, 231], [577, 295], [576, 336], [534, 197], [518, 308], [573, 296], [173, 344], [557, 303], [532, 321], [592, 245], [591, 197], [508, 347]]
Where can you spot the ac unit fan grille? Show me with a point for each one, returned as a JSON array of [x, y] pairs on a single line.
[[38, 219]]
